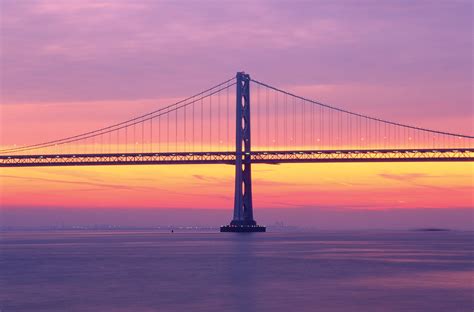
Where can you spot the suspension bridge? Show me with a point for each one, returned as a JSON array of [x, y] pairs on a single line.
[[214, 127]]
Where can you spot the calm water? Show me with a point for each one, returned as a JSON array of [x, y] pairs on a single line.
[[320, 271]]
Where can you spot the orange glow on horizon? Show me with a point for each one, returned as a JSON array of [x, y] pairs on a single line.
[[342, 186]]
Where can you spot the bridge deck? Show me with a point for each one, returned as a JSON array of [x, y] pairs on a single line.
[[258, 157]]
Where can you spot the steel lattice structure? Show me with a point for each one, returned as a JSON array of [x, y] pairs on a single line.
[[229, 158]]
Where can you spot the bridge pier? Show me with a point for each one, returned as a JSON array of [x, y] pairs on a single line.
[[243, 211]]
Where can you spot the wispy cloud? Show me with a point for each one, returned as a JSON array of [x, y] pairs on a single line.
[[72, 182], [408, 177]]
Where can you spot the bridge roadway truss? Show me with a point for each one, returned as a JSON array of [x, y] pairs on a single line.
[[229, 158]]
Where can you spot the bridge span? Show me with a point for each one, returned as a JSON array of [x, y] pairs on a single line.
[[229, 158], [205, 129]]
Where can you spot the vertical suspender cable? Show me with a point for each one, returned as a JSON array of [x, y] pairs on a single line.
[[176, 131], [267, 123], [285, 128], [303, 125], [184, 127], [259, 135], [202, 128], [218, 121], [294, 122], [210, 122], [275, 114], [228, 125], [312, 126]]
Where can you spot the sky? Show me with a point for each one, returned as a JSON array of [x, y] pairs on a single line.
[[71, 66]]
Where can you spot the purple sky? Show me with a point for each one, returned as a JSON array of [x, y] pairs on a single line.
[[377, 57]]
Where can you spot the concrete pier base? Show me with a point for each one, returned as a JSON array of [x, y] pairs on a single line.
[[243, 228]]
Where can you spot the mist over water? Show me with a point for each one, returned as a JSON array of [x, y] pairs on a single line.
[[305, 271]]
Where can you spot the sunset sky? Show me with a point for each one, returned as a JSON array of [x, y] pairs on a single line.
[[68, 67]]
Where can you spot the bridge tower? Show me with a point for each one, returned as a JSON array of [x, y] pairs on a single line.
[[243, 211]]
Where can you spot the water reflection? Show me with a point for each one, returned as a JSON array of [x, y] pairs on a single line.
[[150, 271]]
